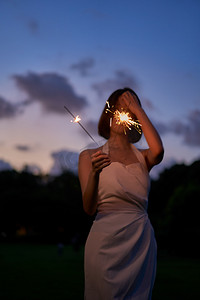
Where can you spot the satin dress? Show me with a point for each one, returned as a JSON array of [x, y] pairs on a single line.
[[120, 251]]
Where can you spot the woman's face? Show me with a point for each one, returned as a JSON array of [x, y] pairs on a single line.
[[116, 126]]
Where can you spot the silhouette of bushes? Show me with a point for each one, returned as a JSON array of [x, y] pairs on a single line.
[[49, 209]]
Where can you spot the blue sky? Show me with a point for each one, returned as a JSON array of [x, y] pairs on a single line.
[[76, 53]]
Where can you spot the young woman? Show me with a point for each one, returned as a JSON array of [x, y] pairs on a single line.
[[120, 252]]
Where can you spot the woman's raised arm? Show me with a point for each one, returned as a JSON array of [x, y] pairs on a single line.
[[154, 154]]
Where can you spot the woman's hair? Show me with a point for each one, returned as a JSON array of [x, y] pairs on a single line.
[[104, 121]]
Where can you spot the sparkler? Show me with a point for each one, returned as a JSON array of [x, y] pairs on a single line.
[[77, 119], [124, 118]]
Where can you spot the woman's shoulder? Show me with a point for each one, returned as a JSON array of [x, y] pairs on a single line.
[[87, 153], [142, 154], [142, 151]]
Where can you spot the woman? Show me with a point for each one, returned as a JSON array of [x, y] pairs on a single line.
[[120, 252]]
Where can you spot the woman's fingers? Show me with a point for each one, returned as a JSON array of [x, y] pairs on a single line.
[[96, 154], [100, 157], [99, 161], [101, 164], [127, 97], [131, 102]]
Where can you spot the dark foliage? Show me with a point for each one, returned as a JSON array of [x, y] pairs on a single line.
[[36, 208], [42, 209], [174, 204]]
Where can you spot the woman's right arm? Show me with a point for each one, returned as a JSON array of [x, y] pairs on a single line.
[[89, 169]]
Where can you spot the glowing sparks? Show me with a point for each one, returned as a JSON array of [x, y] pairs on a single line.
[[76, 119], [123, 118], [108, 104]]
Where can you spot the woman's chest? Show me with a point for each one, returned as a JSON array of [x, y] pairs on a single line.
[[125, 158], [119, 178]]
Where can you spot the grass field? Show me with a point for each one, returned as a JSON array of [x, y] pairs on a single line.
[[37, 272]]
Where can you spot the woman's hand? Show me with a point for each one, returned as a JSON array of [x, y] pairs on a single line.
[[99, 161], [154, 154], [130, 101], [90, 166]]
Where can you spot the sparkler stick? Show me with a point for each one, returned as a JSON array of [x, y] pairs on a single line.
[[77, 120]]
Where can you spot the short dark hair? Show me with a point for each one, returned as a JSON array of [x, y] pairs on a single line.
[[104, 121]]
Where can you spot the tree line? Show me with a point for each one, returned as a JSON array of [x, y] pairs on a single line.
[[49, 209], [174, 205]]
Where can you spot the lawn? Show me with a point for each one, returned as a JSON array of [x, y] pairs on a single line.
[[38, 272], [177, 278]]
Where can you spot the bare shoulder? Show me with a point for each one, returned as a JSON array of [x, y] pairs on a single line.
[[86, 154], [85, 162], [145, 153]]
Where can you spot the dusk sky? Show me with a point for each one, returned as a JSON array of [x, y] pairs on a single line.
[[76, 53]]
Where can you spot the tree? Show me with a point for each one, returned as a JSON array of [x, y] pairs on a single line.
[[173, 208]]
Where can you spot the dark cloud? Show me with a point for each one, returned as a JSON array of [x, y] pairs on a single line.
[[148, 105], [23, 148], [4, 165], [161, 127], [121, 79], [83, 66], [9, 110], [188, 128], [33, 26], [64, 160], [51, 90]]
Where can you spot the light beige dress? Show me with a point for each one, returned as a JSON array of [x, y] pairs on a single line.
[[120, 251]]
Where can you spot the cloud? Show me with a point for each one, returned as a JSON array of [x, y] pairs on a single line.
[[51, 90], [23, 148], [148, 105], [33, 26], [162, 127], [9, 110], [83, 66], [64, 160], [188, 128], [4, 165], [121, 79]]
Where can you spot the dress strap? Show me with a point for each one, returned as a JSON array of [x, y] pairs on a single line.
[[137, 152], [139, 156]]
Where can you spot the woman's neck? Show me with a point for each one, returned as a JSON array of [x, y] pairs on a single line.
[[119, 141]]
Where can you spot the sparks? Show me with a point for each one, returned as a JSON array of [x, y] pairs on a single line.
[[76, 119], [124, 118], [108, 104]]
